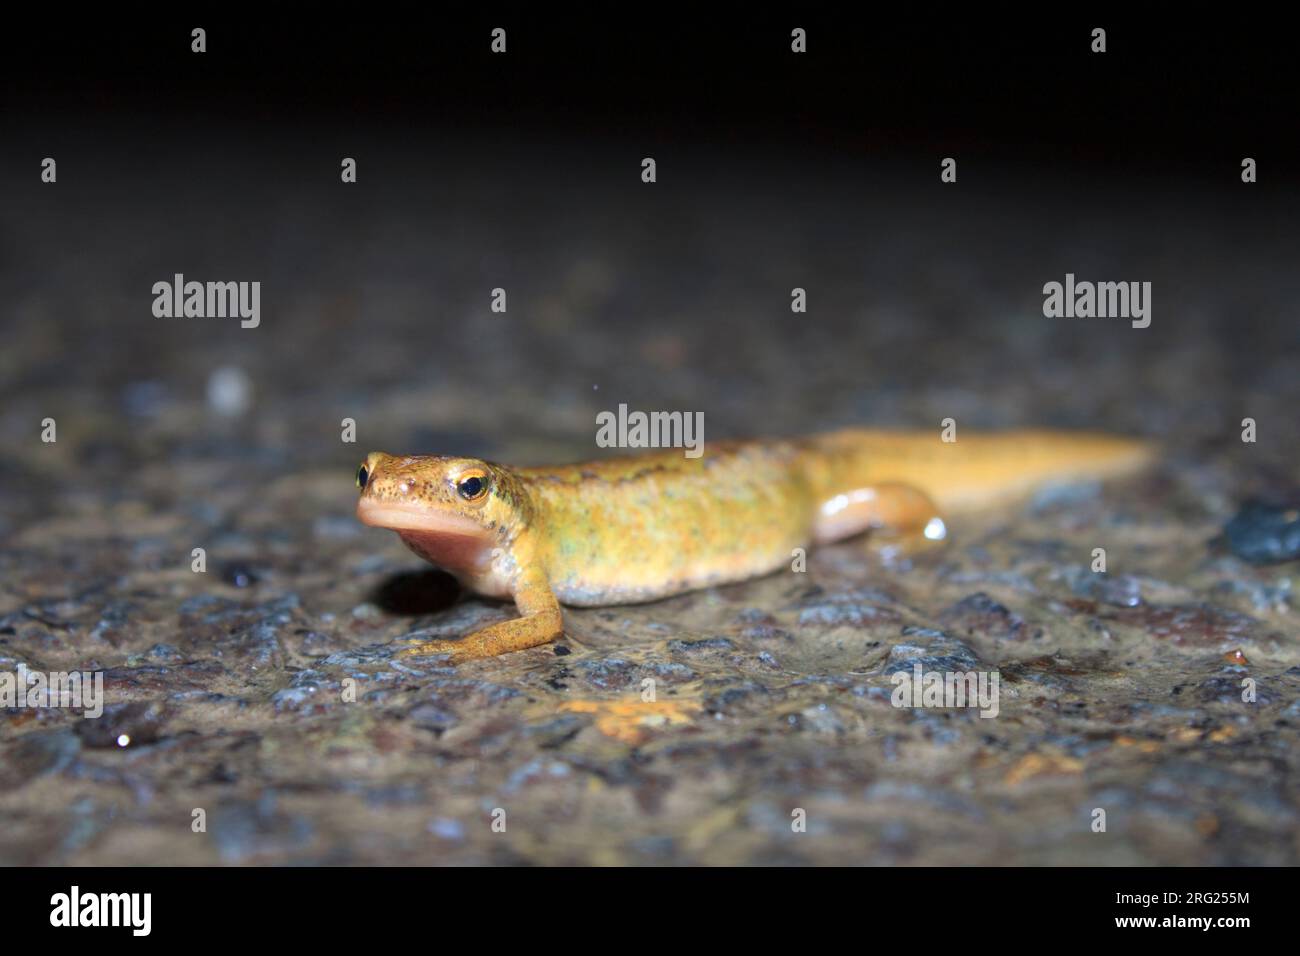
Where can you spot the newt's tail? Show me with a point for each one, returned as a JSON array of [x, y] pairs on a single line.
[[978, 468]]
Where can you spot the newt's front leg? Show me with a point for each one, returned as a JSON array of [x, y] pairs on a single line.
[[541, 623]]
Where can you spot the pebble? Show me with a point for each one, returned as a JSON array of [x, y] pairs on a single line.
[[230, 391], [1264, 534]]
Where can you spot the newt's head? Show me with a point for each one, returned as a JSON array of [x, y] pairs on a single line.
[[450, 511]]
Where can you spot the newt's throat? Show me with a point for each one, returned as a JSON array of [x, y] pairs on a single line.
[[461, 553], [449, 541]]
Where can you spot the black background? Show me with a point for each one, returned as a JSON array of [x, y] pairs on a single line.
[[1192, 91], [905, 906]]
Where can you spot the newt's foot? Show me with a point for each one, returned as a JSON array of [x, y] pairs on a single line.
[[903, 544], [500, 638]]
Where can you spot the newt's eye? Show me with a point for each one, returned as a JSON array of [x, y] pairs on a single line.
[[362, 477], [471, 487]]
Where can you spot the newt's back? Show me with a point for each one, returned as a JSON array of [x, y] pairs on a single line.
[[637, 528]]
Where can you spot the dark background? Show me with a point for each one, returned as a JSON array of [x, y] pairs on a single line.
[[522, 171], [775, 170], [1186, 91]]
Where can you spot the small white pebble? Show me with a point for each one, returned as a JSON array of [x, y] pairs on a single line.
[[936, 530], [230, 391], [366, 612]]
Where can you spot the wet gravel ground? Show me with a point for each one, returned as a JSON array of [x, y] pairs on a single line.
[[266, 691]]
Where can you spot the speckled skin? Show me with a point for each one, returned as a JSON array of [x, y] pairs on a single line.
[[633, 529]]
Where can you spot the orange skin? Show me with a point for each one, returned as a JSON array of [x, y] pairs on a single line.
[[626, 530]]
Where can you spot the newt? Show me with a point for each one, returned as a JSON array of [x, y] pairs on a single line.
[[643, 527]]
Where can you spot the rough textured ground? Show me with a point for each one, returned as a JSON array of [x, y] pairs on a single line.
[[1120, 692]]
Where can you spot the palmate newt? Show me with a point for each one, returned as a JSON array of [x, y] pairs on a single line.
[[632, 529]]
